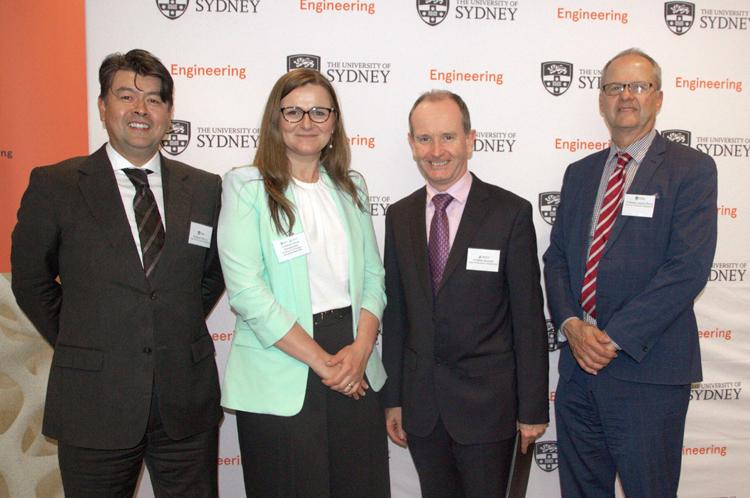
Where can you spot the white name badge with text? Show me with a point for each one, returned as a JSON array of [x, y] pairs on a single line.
[[483, 259], [291, 247], [638, 205], [200, 235]]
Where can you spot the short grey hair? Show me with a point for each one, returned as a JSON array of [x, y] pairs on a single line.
[[636, 51]]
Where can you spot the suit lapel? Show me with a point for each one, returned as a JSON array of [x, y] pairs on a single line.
[[585, 197], [99, 189], [417, 229], [299, 277], [177, 200], [654, 158], [471, 220]]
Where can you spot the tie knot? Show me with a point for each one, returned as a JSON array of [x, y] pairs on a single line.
[[441, 201], [623, 158], [138, 176]]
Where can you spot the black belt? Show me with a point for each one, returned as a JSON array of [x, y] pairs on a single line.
[[336, 314]]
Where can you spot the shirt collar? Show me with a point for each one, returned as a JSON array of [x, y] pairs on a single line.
[[120, 163], [637, 149], [459, 190]]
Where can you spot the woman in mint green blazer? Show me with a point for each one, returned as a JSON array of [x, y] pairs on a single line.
[[295, 237]]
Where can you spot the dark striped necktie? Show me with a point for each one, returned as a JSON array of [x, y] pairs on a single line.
[[150, 227]]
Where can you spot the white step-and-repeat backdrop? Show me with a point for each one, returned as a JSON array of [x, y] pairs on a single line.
[[529, 71]]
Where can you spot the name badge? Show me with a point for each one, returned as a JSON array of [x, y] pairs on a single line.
[[200, 235], [483, 259], [638, 205], [291, 247]]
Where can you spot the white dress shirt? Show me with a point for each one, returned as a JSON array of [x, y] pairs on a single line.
[[127, 189]]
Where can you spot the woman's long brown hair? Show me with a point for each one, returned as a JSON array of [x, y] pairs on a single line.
[[273, 163]]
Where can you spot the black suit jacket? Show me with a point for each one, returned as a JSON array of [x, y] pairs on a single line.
[[476, 354], [116, 335]]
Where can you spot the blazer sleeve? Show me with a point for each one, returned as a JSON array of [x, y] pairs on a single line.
[[527, 313], [373, 292], [212, 284], [395, 321], [241, 254], [34, 256], [684, 272]]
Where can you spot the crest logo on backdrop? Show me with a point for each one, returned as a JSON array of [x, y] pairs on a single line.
[[342, 71], [176, 140], [677, 136], [552, 343], [679, 16], [306, 61], [172, 9], [545, 455], [548, 202], [433, 12], [557, 76]]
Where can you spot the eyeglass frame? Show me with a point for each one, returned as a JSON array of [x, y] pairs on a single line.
[[330, 110], [649, 86]]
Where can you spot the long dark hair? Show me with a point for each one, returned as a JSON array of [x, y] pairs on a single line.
[[272, 161]]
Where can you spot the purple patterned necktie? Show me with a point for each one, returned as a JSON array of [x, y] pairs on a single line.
[[439, 244]]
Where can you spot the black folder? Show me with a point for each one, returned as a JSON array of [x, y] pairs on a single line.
[[520, 468]]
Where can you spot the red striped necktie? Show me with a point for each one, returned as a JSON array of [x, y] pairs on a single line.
[[607, 216]]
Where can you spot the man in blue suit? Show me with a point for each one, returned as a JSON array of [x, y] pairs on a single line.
[[630, 250]]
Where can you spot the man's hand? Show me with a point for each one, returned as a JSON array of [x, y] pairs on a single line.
[[529, 434], [591, 347], [394, 427]]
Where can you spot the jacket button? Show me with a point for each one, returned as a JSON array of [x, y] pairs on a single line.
[[147, 350], [153, 296], [644, 349]]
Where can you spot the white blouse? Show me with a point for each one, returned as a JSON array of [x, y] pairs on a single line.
[[328, 261]]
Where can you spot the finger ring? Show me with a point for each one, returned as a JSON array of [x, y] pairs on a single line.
[[349, 385]]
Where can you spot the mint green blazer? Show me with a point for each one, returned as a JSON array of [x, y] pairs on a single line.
[[269, 297]]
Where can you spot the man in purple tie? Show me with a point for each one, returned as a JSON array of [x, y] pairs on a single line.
[[630, 250], [464, 337]]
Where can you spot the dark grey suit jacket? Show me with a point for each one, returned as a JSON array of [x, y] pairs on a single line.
[[476, 354], [116, 335]]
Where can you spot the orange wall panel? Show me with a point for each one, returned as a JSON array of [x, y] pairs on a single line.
[[43, 90]]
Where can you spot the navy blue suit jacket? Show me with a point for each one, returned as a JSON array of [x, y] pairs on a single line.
[[652, 269]]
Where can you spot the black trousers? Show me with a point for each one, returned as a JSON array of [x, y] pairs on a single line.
[[183, 468], [448, 469], [335, 447]]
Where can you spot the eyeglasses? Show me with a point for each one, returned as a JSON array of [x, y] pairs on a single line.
[[635, 87], [317, 114]]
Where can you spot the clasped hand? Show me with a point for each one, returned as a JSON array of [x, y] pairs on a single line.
[[592, 348], [344, 371]]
